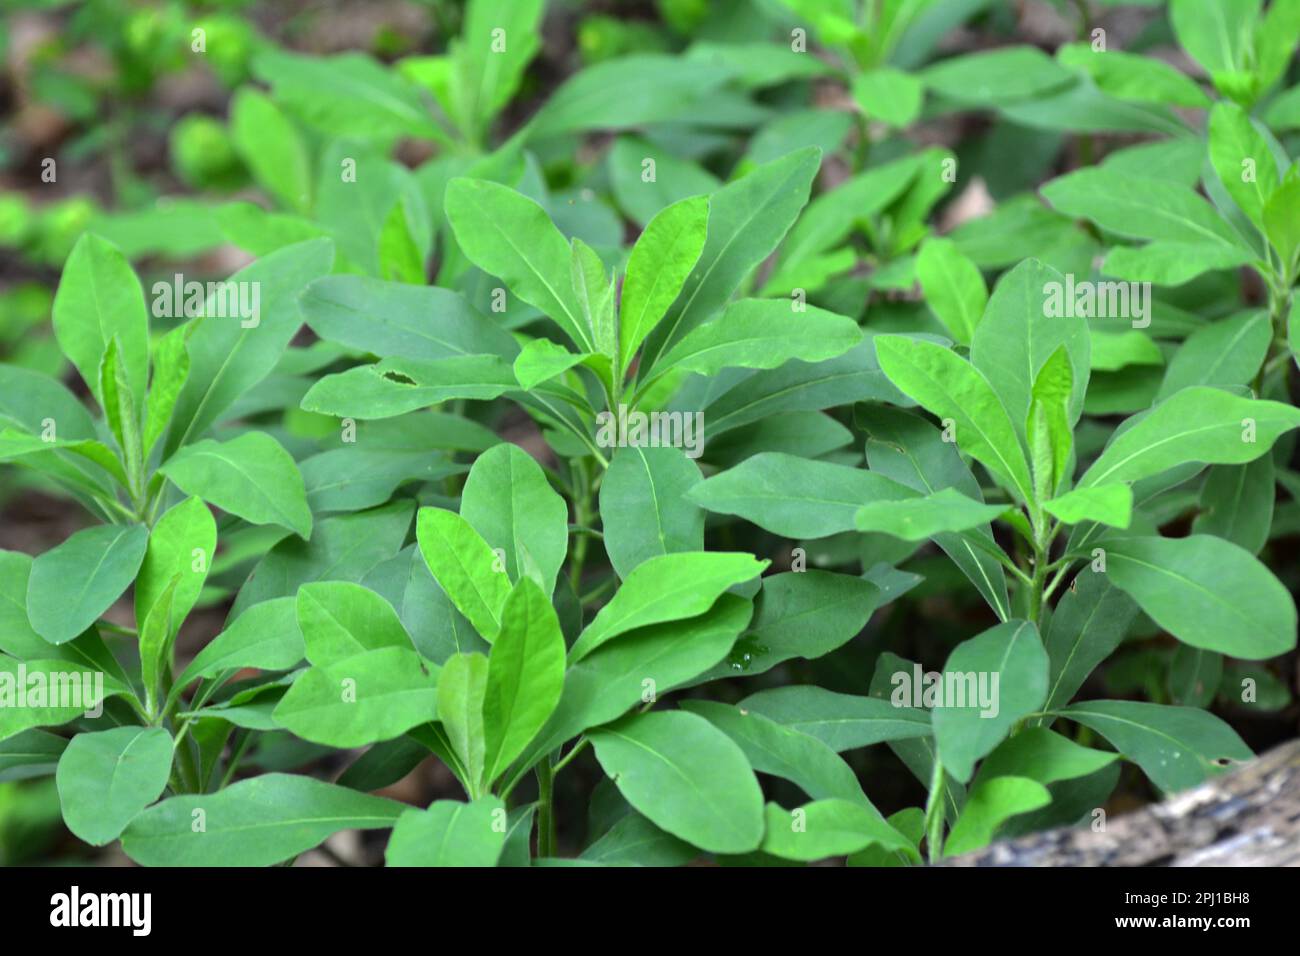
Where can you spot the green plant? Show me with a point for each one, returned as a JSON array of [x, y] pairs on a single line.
[[792, 474]]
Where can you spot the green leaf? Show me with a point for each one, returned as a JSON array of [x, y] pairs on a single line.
[[346, 95], [1194, 424], [266, 637], [1140, 207], [400, 258], [795, 497], [171, 367], [525, 676], [667, 588], [889, 95], [1167, 262], [183, 542], [1206, 592], [465, 567], [761, 333], [989, 683], [989, 806], [826, 828], [618, 676], [644, 509], [542, 360], [157, 632], [392, 387], [355, 701], [1108, 504], [801, 614], [1177, 747], [120, 410], [495, 47], [774, 749], [595, 293], [643, 197], [339, 619], [996, 76], [462, 688], [952, 388], [1218, 36], [1281, 213], [46, 681], [105, 779], [635, 841], [1019, 336], [509, 236], [396, 320], [100, 299], [271, 148], [747, 220], [841, 721], [449, 834], [917, 519], [1112, 351], [953, 287], [911, 451], [686, 777], [256, 822], [251, 476], [75, 582], [1242, 160], [1130, 76], [1237, 503], [342, 548], [659, 264], [1047, 426], [508, 500], [628, 91], [1225, 354], [227, 358]]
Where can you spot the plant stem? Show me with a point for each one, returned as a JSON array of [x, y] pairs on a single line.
[[934, 814], [545, 808]]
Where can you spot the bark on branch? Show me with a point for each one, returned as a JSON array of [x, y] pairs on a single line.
[[1250, 817]]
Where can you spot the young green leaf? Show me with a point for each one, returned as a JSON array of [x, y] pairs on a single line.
[[183, 542], [465, 567], [667, 588], [508, 500], [660, 262], [1107, 504], [99, 299], [462, 687], [953, 286], [525, 676], [509, 236]]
